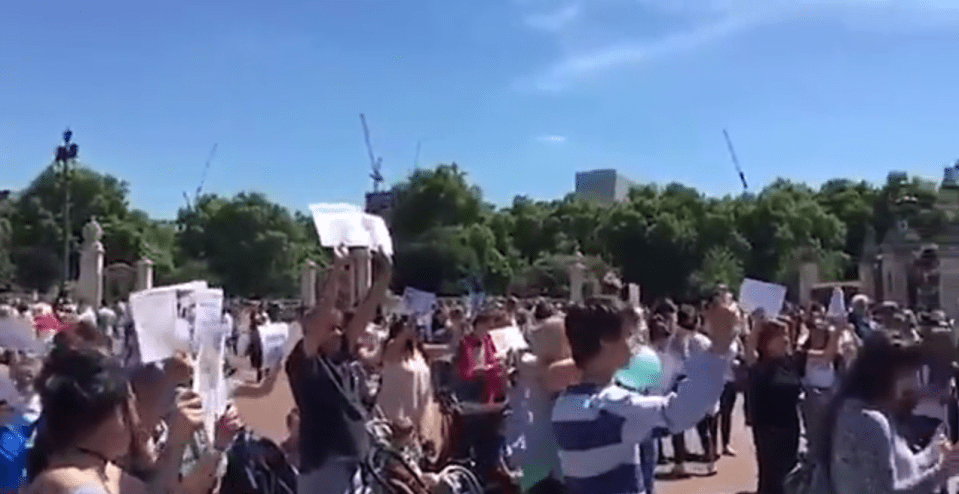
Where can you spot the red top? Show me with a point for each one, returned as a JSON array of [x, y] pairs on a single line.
[[493, 380], [48, 322]]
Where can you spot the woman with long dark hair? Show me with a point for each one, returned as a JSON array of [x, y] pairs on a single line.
[[406, 392], [773, 392], [89, 422], [865, 450]]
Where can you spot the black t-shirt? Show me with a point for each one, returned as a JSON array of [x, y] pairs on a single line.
[[332, 418], [774, 388]]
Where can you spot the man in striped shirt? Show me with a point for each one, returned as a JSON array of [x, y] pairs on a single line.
[[599, 425]]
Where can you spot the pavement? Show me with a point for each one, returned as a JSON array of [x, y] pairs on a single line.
[[735, 475]]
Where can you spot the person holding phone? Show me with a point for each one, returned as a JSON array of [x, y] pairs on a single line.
[[867, 450]]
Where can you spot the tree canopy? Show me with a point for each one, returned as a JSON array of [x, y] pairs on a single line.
[[671, 239]]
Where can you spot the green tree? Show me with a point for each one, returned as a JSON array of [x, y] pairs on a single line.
[[37, 223], [434, 198], [253, 246]]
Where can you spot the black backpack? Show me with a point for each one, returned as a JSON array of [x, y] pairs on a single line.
[[256, 465]]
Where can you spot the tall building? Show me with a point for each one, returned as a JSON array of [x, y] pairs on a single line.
[[602, 186]]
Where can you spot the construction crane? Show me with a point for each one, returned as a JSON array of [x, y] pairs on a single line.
[[732, 154], [375, 163], [199, 188]]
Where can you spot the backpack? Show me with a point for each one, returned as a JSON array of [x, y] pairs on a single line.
[[256, 465]]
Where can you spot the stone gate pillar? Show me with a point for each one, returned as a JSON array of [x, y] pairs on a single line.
[[577, 277], [361, 258], [308, 284], [808, 276], [144, 274], [90, 283]]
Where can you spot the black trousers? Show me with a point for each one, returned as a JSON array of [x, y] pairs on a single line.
[[707, 435], [727, 401], [547, 486], [776, 452], [680, 455]]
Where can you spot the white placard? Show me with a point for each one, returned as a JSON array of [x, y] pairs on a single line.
[[274, 337], [209, 382], [837, 304], [755, 294], [208, 322], [417, 302], [507, 339], [17, 334], [342, 224], [164, 319], [154, 317]]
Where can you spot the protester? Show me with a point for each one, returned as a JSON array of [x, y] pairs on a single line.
[[89, 423], [407, 392], [541, 377], [325, 388], [484, 381], [866, 451], [599, 426]]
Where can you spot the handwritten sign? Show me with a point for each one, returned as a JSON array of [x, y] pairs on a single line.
[[274, 337], [164, 320], [209, 382]]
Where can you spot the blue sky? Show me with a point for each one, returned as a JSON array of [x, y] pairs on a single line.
[[520, 93]]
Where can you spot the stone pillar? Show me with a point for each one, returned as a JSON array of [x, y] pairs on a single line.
[[949, 285], [633, 294], [90, 283], [362, 279], [900, 293], [867, 280], [808, 276], [577, 277], [144, 274], [308, 284]]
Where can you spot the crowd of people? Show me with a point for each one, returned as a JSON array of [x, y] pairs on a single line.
[[836, 403]]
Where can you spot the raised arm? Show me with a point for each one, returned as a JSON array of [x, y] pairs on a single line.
[[319, 320], [366, 310], [863, 460], [829, 353], [696, 394]]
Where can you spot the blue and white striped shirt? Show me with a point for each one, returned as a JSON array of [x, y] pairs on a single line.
[[599, 428]]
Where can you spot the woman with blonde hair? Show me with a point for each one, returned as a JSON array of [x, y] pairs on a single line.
[[545, 371]]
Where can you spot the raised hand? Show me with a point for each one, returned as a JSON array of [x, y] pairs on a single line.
[[227, 428], [189, 414], [723, 318]]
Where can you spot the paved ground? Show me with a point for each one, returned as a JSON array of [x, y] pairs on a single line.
[[735, 475]]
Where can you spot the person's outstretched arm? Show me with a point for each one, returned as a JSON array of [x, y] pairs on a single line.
[[366, 310], [318, 320], [696, 395]]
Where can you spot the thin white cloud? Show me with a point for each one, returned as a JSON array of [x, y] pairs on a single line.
[[736, 17], [555, 139], [556, 20], [578, 67]]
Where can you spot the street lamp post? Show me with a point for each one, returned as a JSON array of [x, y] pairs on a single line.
[[66, 155]]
